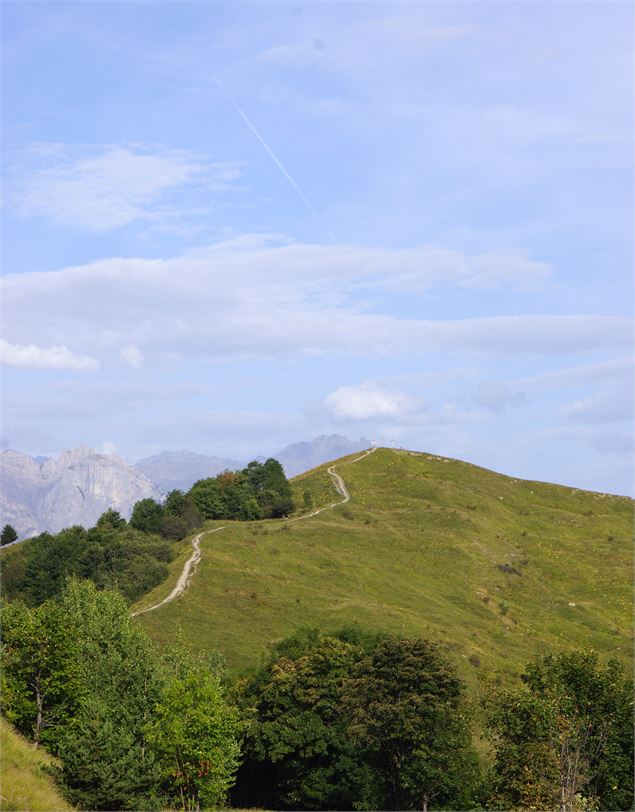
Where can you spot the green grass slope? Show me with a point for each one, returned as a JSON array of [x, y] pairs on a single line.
[[24, 782], [496, 568]]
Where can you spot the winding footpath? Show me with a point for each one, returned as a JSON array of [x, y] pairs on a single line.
[[189, 568]]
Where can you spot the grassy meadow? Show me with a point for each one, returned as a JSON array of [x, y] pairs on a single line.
[[495, 568]]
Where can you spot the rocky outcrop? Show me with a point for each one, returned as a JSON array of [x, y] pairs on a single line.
[[74, 488]]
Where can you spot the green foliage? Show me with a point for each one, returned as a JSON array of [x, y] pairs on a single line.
[[113, 555], [271, 488], [111, 518], [180, 515], [104, 765], [297, 751], [194, 735], [79, 675], [146, 516], [258, 491], [337, 725], [8, 535], [208, 498], [566, 739], [42, 678], [408, 717]]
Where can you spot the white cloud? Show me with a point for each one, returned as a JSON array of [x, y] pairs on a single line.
[[132, 356], [369, 401], [107, 187], [618, 371], [31, 356], [259, 298]]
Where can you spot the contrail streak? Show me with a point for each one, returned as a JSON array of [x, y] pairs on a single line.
[[266, 147]]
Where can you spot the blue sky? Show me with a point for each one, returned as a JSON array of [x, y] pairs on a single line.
[[231, 226]]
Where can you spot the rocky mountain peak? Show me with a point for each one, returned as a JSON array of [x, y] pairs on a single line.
[[74, 488]]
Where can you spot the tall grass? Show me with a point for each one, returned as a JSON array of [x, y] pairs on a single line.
[[25, 783]]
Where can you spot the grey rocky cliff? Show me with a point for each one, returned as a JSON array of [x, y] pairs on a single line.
[[74, 488]]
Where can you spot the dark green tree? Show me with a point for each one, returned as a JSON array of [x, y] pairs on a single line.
[[76, 666], [104, 765], [297, 752], [408, 716], [49, 561], [122, 681], [8, 535], [181, 515], [270, 487], [111, 518], [146, 516], [113, 557]]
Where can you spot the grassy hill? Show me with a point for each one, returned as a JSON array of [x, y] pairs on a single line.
[[25, 784], [496, 568]]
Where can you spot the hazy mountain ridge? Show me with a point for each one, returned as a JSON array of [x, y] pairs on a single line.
[[48, 494], [181, 469], [300, 457], [74, 488]]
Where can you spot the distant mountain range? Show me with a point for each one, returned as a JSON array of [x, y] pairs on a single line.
[[181, 469], [74, 488], [300, 457], [40, 494]]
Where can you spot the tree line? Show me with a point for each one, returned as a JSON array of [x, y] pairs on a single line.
[[346, 720], [259, 491], [132, 557]]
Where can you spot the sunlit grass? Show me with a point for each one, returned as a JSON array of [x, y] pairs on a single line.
[[495, 568], [25, 784]]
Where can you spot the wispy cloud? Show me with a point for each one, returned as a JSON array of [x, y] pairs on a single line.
[[31, 356], [603, 407], [101, 188], [132, 356], [246, 299]]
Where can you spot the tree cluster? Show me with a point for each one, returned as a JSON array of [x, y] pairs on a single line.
[[173, 519], [348, 720], [565, 740], [351, 722], [130, 729], [259, 491], [113, 555]]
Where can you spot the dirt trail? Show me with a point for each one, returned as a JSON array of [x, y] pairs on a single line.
[[188, 571], [190, 565], [340, 487]]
